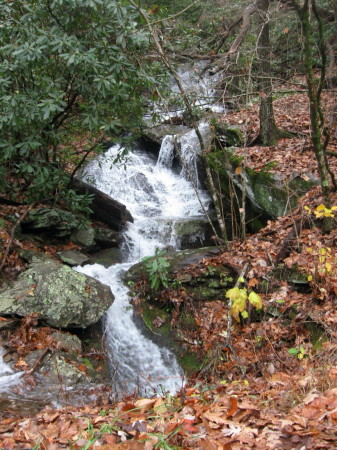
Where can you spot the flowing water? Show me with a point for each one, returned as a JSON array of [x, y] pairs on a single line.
[[157, 198], [7, 376]]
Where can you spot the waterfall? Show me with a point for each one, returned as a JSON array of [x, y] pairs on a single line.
[[7, 376], [156, 197], [166, 154]]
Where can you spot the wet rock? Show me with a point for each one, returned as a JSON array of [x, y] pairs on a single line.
[[157, 133], [94, 239], [107, 257], [104, 207], [61, 297], [106, 238], [73, 258], [193, 233]]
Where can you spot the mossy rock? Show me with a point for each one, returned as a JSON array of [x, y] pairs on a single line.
[[210, 283], [50, 222], [167, 336], [267, 196], [59, 296]]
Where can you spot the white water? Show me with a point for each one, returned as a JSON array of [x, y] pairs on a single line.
[[156, 198], [7, 376], [199, 87]]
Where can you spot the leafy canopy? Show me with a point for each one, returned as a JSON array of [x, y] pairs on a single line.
[[67, 68]]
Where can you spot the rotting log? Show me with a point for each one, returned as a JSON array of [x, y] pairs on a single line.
[[104, 207]]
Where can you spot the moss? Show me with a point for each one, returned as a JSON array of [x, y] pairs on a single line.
[[150, 313], [317, 334], [190, 363], [167, 336]]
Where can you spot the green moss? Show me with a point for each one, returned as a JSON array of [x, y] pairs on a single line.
[[150, 313], [190, 363]]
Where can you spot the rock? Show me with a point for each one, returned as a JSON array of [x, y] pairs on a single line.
[[193, 233], [50, 223], [68, 342], [93, 239], [73, 258], [229, 135], [60, 296], [85, 238], [210, 282], [104, 208], [157, 133], [107, 257], [31, 256], [267, 196], [56, 369], [106, 238]]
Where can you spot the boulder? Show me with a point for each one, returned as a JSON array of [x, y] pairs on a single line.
[[107, 257], [94, 239], [73, 258], [267, 195], [61, 297], [157, 133], [50, 223], [193, 233], [208, 283], [104, 207]]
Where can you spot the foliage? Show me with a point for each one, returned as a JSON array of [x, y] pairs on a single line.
[[157, 269], [66, 69], [322, 211], [239, 299], [299, 352]]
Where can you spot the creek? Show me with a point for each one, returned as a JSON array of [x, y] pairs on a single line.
[[157, 196]]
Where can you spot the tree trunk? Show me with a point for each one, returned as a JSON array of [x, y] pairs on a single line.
[[314, 88], [269, 132]]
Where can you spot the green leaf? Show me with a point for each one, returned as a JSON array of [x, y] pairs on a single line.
[[293, 351]]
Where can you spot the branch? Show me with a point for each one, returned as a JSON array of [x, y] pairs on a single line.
[[240, 38]]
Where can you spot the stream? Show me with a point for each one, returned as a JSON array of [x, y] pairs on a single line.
[[157, 197]]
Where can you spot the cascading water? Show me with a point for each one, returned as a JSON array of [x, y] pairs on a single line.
[[7, 376], [156, 197]]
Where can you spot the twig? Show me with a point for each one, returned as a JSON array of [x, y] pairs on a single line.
[[38, 361]]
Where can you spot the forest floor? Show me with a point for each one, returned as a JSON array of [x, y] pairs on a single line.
[[288, 396]]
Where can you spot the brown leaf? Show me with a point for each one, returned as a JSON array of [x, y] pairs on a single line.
[[233, 406]]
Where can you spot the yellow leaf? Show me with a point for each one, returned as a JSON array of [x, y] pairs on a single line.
[[238, 170], [255, 300], [233, 293], [309, 277], [328, 266], [238, 307], [320, 208]]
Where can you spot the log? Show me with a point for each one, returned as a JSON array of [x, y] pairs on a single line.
[[104, 208]]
